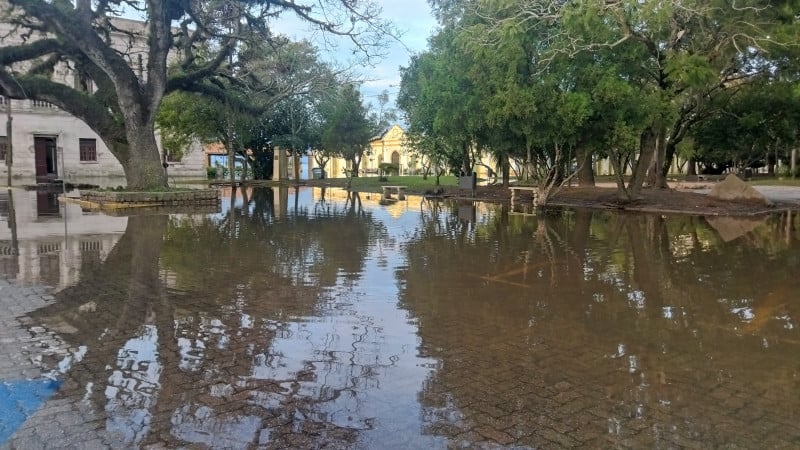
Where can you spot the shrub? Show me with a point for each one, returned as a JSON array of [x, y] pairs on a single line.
[[211, 172], [386, 169]]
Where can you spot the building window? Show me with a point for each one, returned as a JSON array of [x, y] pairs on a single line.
[[3, 148], [87, 148]]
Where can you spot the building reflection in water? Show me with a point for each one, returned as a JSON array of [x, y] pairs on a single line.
[[299, 319], [38, 248]]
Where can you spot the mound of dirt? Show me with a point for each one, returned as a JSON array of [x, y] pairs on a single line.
[[734, 189]]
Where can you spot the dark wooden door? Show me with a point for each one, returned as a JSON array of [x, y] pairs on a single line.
[[46, 159], [40, 154]]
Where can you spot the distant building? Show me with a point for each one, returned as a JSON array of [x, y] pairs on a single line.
[[387, 147], [49, 143], [390, 147]]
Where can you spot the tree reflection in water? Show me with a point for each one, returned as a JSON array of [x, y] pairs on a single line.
[[605, 330], [263, 325], [185, 313]]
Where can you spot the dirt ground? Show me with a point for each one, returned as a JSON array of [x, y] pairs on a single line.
[[681, 198]]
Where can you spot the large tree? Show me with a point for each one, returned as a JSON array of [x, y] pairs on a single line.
[[127, 62], [753, 127], [625, 79], [441, 104]]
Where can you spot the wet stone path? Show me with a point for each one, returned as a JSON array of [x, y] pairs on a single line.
[[32, 419]]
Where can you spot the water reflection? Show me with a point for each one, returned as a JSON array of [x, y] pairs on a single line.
[[607, 330], [305, 318]]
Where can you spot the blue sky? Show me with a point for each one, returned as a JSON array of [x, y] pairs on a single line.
[[412, 17]]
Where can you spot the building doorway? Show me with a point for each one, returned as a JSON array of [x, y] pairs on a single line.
[[46, 158]]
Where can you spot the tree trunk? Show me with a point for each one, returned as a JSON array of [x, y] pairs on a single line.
[[506, 167], [670, 148], [528, 162], [467, 163], [585, 169], [229, 146], [648, 147], [692, 170], [656, 175], [243, 175], [770, 164], [141, 160]]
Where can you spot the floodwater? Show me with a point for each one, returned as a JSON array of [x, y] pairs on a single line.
[[308, 319]]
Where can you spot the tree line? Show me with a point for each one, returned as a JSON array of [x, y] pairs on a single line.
[[547, 87]]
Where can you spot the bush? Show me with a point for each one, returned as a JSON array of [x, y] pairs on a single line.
[[211, 173], [385, 169]]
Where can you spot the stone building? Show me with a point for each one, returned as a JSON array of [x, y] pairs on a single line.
[[50, 144]]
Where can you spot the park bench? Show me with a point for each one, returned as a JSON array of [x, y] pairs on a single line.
[[515, 190], [399, 190]]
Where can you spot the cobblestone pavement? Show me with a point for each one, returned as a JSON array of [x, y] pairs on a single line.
[[25, 350]]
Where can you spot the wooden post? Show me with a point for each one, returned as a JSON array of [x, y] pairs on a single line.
[[793, 164]]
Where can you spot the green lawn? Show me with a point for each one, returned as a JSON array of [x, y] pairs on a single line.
[[414, 182]]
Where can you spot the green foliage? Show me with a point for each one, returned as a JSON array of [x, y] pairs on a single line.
[[347, 130], [221, 50], [533, 81], [276, 101], [386, 169], [749, 125], [211, 172], [441, 102]]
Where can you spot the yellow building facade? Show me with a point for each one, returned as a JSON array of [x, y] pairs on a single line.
[[388, 147], [391, 147]]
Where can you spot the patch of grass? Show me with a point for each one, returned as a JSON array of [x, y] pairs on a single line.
[[414, 182]]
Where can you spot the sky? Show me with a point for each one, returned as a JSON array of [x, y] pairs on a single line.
[[414, 19]]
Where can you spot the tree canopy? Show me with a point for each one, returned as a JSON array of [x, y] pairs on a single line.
[[347, 128], [552, 86]]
